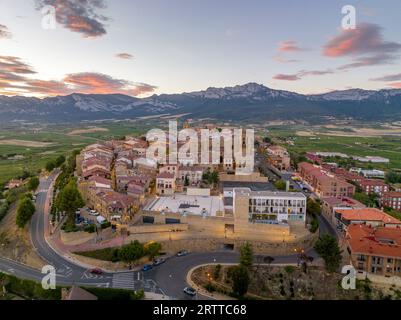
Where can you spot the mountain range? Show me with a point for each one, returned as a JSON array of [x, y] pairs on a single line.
[[249, 102]]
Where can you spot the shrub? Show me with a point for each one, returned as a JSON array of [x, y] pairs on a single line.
[[289, 269], [91, 228], [105, 225], [25, 211], [216, 272], [33, 183]]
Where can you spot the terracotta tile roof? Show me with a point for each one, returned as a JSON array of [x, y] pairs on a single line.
[[368, 214], [384, 242]]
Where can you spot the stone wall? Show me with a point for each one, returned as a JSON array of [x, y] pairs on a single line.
[[259, 247]]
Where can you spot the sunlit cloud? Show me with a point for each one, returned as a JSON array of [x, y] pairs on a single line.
[[289, 46], [79, 16], [15, 78], [396, 85], [365, 44]]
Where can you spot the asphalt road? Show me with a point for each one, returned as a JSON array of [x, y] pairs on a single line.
[[168, 278]]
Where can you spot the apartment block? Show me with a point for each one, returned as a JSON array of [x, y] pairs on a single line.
[[375, 250], [324, 183], [391, 200]]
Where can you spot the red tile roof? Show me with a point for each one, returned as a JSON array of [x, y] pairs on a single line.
[[368, 214], [384, 242]]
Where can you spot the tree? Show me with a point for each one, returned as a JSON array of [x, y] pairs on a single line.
[[393, 177], [33, 183], [246, 255], [280, 185], [59, 161], [25, 211], [327, 247], [69, 200], [50, 165], [312, 207], [370, 200], [153, 249], [240, 279], [267, 140], [131, 252]]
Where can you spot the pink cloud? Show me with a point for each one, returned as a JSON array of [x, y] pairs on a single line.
[[289, 46], [79, 16], [14, 79], [396, 85], [366, 38]]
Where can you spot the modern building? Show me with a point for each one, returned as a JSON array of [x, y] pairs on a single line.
[[375, 250], [270, 206]]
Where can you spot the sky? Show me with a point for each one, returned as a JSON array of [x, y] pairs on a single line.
[[145, 47]]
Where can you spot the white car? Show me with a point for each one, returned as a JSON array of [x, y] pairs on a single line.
[[94, 213]]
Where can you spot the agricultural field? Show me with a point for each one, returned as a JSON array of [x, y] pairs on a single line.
[[29, 148], [387, 146]]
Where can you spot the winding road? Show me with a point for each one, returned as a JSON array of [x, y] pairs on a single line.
[[168, 279]]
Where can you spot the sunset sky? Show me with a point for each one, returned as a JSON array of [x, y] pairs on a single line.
[[142, 47]]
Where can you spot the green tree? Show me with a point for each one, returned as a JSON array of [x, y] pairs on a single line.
[[59, 161], [131, 252], [25, 211], [327, 247], [280, 185], [50, 165], [370, 200], [246, 255], [33, 183], [240, 278], [153, 249], [69, 200], [313, 207]]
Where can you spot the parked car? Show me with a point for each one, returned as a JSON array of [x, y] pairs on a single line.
[[94, 213], [159, 261], [147, 267], [190, 291], [182, 253], [96, 271]]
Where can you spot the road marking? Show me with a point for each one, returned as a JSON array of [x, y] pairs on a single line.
[[124, 280]]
